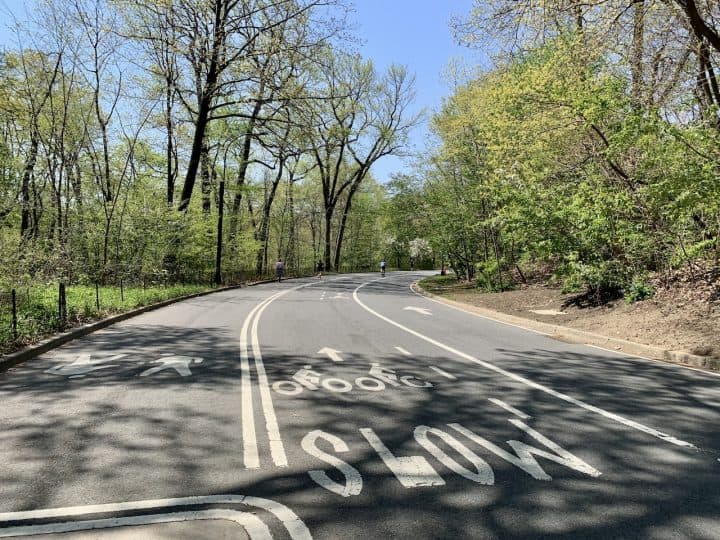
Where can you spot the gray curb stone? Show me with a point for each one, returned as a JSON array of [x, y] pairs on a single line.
[[12, 359], [573, 335]]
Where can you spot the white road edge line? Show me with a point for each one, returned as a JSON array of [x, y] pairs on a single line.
[[294, 525], [253, 525], [402, 351], [443, 373], [592, 408], [510, 408]]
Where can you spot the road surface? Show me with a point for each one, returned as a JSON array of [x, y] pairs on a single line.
[[350, 407]]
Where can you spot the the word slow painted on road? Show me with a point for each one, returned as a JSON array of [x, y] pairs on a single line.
[[85, 364], [378, 379], [416, 471]]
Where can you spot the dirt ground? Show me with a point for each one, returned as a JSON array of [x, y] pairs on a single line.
[[673, 319]]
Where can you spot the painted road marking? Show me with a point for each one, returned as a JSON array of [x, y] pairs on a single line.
[[443, 373], [251, 458], [249, 338], [532, 384], [83, 365], [510, 408], [181, 364], [292, 523], [402, 351], [331, 353], [423, 311], [416, 471], [411, 471], [253, 525]]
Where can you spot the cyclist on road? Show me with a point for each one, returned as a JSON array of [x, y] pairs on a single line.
[[383, 264], [279, 269]]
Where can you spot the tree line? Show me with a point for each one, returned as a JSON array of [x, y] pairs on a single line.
[[138, 137], [588, 151]]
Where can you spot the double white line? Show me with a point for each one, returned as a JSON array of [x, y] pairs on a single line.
[[249, 339]]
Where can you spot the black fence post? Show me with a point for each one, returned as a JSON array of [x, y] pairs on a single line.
[[122, 292], [14, 314], [62, 306], [97, 296]]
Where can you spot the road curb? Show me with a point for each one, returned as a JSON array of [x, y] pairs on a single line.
[[12, 359], [584, 337]]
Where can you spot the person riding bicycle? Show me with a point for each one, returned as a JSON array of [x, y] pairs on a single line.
[[279, 269], [383, 264]]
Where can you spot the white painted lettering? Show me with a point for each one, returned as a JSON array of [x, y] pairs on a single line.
[[411, 471], [353, 480], [525, 454], [483, 473]]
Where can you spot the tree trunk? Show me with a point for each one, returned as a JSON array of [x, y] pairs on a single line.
[[25, 188]]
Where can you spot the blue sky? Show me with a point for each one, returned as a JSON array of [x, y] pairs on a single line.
[[415, 33]]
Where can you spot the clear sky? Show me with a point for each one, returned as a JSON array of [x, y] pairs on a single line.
[[415, 33]]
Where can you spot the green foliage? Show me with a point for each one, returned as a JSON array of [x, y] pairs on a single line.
[[38, 313], [548, 160], [638, 290]]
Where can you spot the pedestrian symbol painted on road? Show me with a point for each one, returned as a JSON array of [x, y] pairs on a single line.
[[181, 364], [83, 365]]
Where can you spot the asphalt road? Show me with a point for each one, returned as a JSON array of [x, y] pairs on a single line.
[[350, 407]]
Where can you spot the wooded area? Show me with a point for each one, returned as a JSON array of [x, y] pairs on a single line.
[[139, 137], [589, 152]]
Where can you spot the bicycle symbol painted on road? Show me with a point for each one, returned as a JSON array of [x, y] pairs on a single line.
[[377, 380]]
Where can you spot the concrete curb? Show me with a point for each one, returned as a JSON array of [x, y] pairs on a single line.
[[12, 359], [573, 335]]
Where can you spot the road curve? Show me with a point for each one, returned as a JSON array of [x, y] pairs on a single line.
[[350, 407]]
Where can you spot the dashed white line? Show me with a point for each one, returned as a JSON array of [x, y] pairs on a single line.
[[509, 408], [592, 408], [443, 373], [402, 351]]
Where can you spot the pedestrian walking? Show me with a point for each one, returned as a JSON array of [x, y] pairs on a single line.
[[279, 269], [383, 264]]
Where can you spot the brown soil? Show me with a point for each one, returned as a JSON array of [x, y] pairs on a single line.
[[674, 319]]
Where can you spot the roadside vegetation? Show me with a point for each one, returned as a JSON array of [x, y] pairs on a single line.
[[39, 314], [587, 156], [198, 142]]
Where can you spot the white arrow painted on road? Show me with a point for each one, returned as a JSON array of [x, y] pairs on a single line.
[[424, 311], [331, 353]]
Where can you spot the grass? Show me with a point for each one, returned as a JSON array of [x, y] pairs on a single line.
[[38, 314]]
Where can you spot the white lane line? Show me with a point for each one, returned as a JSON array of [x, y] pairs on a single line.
[[510, 408], [402, 351], [253, 525], [443, 373], [532, 384], [277, 450], [251, 458], [294, 525]]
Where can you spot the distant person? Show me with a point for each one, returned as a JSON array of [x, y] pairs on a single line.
[[320, 268], [279, 269], [412, 264], [383, 264]]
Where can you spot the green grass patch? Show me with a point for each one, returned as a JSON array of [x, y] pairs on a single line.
[[38, 315]]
